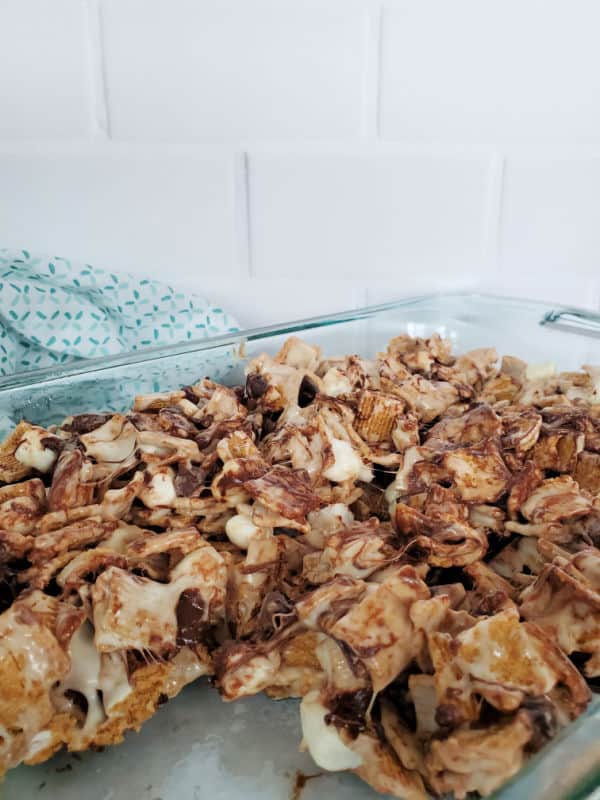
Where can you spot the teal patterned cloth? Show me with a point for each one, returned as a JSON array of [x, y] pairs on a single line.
[[53, 311]]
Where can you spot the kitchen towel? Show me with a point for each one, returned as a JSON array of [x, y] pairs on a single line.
[[54, 310]]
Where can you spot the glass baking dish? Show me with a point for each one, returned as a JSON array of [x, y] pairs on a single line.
[[197, 747]]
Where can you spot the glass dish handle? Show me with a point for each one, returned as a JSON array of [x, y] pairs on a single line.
[[582, 323]]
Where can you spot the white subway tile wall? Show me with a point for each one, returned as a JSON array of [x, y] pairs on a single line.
[[292, 158], [551, 215], [180, 69], [115, 210], [44, 81], [309, 215], [491, 71]]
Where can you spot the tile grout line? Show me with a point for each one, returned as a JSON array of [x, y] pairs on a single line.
[[379, 65], [98, 98], [243, 251], [369, 123]]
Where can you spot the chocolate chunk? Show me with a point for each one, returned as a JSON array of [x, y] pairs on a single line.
[[78, 699], [191, 625], [52, 443], [212, 464], [10, 588], [291, 532], [448, 716], [84, 423], [307, 392], [382, 476], [190, 394], [416, 552], [399, 695], [189, 480], [269, 423], [442, 576], [256, 386], [348, 710], [206, 421], [135, 660], [542, 714]]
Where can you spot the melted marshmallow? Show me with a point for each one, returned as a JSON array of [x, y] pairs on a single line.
[[347, 463], [336, 383], [160, 492], [241, 530], [536, 372], [32, 453], [322, 740]]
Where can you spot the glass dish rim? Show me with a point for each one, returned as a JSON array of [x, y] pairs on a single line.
[[148, 354], [547, 311]]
